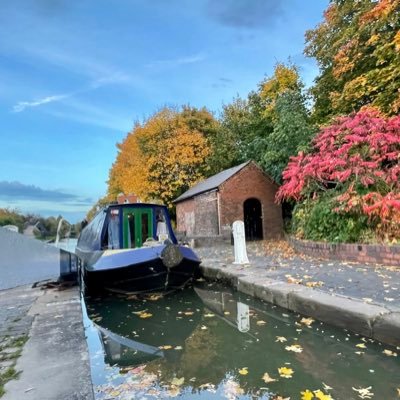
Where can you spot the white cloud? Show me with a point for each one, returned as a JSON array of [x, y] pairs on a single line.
[[22, 105], [178, 61]]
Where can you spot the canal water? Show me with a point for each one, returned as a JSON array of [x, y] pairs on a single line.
[[210, 343]]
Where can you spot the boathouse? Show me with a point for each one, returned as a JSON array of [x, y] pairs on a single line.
[[244, 193]]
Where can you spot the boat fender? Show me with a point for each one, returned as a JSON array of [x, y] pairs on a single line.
[[171, 256]]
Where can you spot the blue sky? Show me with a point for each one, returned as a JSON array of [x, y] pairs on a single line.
[[75, 75]]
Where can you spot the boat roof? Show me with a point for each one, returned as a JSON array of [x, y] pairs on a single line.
[[138, 205]]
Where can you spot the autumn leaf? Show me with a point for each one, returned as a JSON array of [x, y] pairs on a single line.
[[178, 381], [145, 315], [209, 315], [322, 396], [361, 345], [307, 395], [166, 347], [285, 372], [243, 371], [280, 339], [296, 348], [389, 353], [307, 321], [260, 322], [267, 378], [364, 393]]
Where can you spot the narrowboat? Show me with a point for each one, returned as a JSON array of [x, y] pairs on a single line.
[[131, 248]]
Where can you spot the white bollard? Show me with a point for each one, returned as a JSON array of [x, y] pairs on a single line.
[[239, 243]]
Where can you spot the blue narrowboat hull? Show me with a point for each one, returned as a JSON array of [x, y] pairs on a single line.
[[138, 270]]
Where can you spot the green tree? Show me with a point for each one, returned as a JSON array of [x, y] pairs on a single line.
[[292, 133], [357, 47]]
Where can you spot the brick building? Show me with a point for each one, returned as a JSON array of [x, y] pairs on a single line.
[[243, 193]]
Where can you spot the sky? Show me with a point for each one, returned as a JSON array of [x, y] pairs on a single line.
[[76, 75]]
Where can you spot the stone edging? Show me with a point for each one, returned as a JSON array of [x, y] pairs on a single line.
[[373, 321], [364, 253]]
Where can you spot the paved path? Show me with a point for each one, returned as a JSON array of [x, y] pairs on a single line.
[[361, 298], [371, 283], [54, 363], [24, 260]]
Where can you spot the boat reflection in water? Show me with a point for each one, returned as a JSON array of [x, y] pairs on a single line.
[[213, 342]]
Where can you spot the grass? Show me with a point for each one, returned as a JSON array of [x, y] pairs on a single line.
[[10, 373]]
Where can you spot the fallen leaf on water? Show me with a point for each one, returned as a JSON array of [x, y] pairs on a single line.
[[359, 352], [243, 371], [261, 322], [326, 387], [364, 393], [280, 339], [209, 315], [398, 392], [145, 315], [178, 381], [389, 353], [307, 395], [307, 321], [285, 372], [166, 347], [226, 313], [277, 397], [321, 395], [267, 378], [361, 345], [178, 348], [203, 327], [296, 348]]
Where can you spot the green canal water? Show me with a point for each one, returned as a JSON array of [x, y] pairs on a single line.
[[210, 343]]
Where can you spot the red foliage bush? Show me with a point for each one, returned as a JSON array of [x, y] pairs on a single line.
[[359, 158]]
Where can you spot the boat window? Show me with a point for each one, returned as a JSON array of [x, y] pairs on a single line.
[[113, 232], [90, 236], [145, 227], [131, 230], [162, 232]]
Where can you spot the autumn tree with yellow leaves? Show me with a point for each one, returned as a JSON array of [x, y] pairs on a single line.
[[165, 155]]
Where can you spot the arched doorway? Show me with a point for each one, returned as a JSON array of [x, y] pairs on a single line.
[[253, 219]]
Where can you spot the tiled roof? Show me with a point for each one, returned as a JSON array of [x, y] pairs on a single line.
[[211, 183]]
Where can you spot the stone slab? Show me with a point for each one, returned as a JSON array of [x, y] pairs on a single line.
[[350, 314], [387, 329], [55, 361]]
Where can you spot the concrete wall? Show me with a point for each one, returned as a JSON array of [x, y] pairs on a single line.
[[24, 260], [364, 253], [251, 182]]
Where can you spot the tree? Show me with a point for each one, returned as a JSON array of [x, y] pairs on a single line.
[[165, 155], [352, 174], [357, 47], [292, 133]]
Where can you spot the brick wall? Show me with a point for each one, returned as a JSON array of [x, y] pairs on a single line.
[[185, 219], [251, 182], [206, 214], [364, 253]]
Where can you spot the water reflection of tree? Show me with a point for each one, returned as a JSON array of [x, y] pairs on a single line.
[[196, 361]]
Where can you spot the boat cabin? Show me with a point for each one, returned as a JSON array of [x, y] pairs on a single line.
[[127, 226]]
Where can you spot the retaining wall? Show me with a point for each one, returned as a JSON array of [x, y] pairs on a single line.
[[364, 253]]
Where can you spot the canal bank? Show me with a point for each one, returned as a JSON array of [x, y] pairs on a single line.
[[54, 362], [359, 297]]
